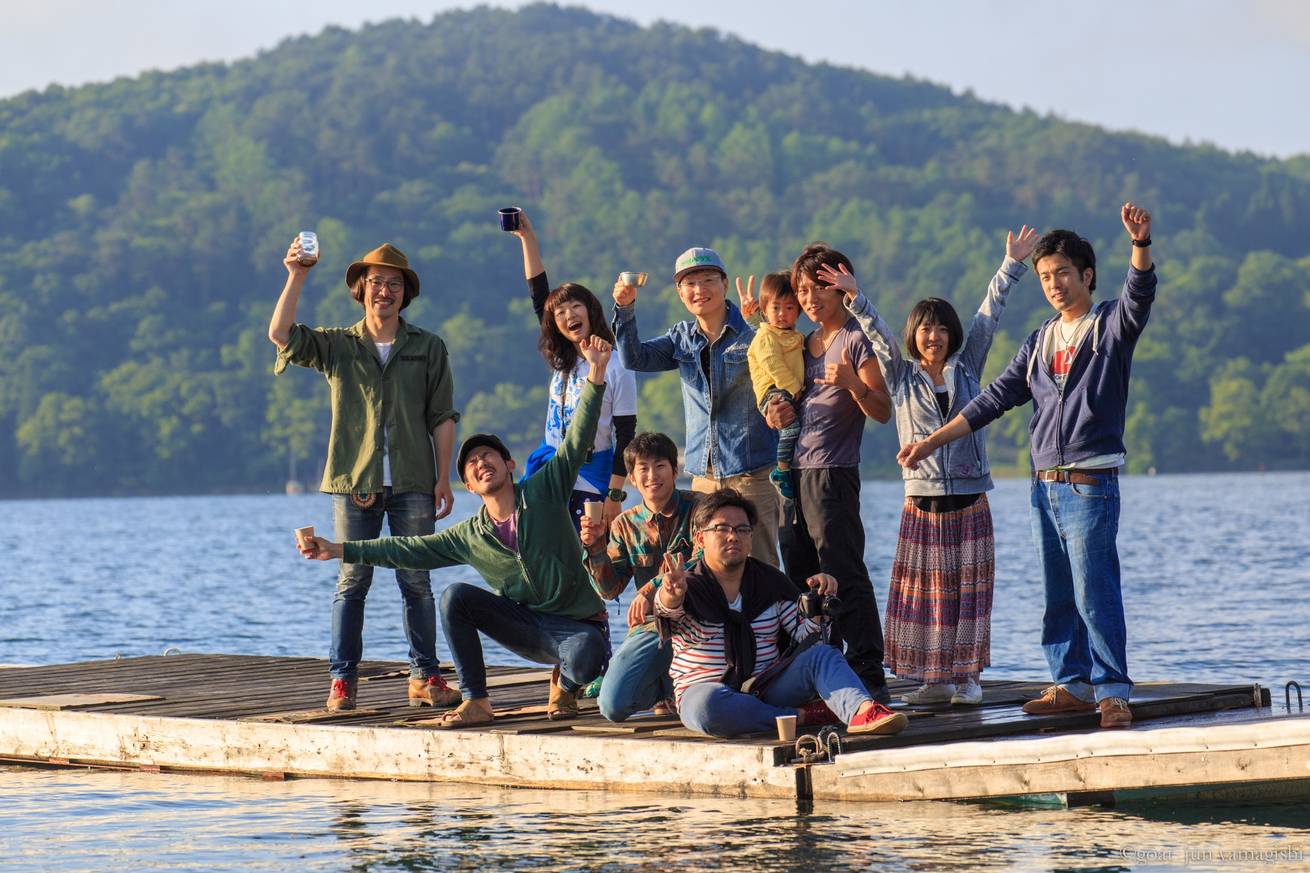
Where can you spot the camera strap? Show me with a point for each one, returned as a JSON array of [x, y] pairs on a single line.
[[757, 684]]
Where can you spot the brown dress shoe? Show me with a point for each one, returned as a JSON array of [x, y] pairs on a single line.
[[561, 704], [431, 691], [1115, 713], [342, 695], [1057, 699]]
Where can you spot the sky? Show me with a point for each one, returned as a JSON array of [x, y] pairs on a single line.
[[1217, 71]]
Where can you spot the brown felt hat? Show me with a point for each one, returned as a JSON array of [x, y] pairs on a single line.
[[385, 255]]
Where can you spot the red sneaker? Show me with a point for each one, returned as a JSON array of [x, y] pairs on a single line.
[[342, 695], [432, 691], [877, 719], [817, 712]]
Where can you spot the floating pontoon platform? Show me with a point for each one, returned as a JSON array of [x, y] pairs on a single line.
[[263, 716]]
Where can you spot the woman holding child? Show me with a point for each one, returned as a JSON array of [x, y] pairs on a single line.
[[940, 602], [568, 315]]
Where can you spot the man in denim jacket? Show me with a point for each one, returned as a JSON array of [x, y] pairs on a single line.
[[728, 442], [1074, 369]]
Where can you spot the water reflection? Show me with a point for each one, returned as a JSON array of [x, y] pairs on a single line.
[[116, 820]]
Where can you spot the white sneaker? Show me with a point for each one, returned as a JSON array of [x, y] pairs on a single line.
[[940, 693], [970, 694]]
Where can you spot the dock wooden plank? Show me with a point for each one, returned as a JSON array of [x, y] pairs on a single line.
[[73, 701]]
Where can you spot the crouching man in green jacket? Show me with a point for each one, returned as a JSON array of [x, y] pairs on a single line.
[[541, 606]]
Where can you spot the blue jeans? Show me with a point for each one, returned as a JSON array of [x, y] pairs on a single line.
[[638, 676], [715, 709], [410, 513], [788, 435], [580, 648], [1083, 631]]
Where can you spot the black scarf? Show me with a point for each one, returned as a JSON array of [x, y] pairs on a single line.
[[761, 587]]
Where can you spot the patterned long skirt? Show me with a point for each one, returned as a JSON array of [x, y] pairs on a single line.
[[939, 609]]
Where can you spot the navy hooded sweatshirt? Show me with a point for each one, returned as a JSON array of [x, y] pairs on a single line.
[[1087, 419]]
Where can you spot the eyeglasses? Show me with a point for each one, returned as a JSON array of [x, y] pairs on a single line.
[[708, 284], [392, 285], [741, 530]]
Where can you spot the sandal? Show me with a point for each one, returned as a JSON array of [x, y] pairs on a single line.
[[463, 716]]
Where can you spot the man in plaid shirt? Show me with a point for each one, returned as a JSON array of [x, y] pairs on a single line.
[[638, 674]]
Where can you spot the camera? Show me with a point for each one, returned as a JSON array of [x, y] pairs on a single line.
[[812, 604]]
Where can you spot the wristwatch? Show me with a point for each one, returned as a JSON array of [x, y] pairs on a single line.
[[616, 494]]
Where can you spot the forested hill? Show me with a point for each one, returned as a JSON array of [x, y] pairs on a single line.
[[142, 224]]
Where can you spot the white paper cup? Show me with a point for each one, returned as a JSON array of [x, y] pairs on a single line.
[[594, 510], [304, 535], [786, 728]]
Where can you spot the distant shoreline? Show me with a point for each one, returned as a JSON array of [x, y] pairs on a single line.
[[684, 481]]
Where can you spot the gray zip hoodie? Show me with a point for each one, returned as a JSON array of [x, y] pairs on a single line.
[[959, 467]]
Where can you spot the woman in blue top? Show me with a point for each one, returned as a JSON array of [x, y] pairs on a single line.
[[568, 315], [938, 627]]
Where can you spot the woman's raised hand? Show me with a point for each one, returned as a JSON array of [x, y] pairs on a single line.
[[1021, 246], [524, 231]]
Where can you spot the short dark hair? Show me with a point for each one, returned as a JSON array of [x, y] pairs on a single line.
[[816, 255], [775, 286], [1065, 242], [933, 310], [650, 445], [357, 289], [558, 351], [713, 502]]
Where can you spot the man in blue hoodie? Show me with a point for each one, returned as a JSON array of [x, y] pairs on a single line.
[[1074, 369]]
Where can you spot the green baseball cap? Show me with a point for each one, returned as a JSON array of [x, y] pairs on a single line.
[[697, 258]]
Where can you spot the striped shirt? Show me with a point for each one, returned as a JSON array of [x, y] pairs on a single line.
[[698, 654]]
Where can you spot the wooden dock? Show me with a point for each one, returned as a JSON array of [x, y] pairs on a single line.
[[263, 716]]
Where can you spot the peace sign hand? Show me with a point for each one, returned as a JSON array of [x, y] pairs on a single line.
[[750, 304], [674, 587]]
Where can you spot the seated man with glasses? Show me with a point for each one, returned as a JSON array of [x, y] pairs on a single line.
[[741, 653], [393, 429]]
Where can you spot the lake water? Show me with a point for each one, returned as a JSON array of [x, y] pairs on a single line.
[[1215, 581]]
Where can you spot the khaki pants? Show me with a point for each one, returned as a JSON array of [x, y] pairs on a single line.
[[755, 487]]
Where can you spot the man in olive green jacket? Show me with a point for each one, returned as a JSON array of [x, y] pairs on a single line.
[[523, 543], [393, 428]]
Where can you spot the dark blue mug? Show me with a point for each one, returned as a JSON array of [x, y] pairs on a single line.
[[509, 218]]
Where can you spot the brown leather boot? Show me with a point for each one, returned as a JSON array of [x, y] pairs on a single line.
[[431, 691], [1115, 713], [342, 695], [562, 704], [1057, 699]]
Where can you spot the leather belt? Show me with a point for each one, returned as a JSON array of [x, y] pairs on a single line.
[[1077, 477]]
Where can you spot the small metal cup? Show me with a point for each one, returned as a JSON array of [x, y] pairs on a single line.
[[632, 279], [304, 535], [509, 218], [308, 247], [787, 728]]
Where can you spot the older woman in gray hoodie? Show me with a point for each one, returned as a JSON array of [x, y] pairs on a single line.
[[938, 627]]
